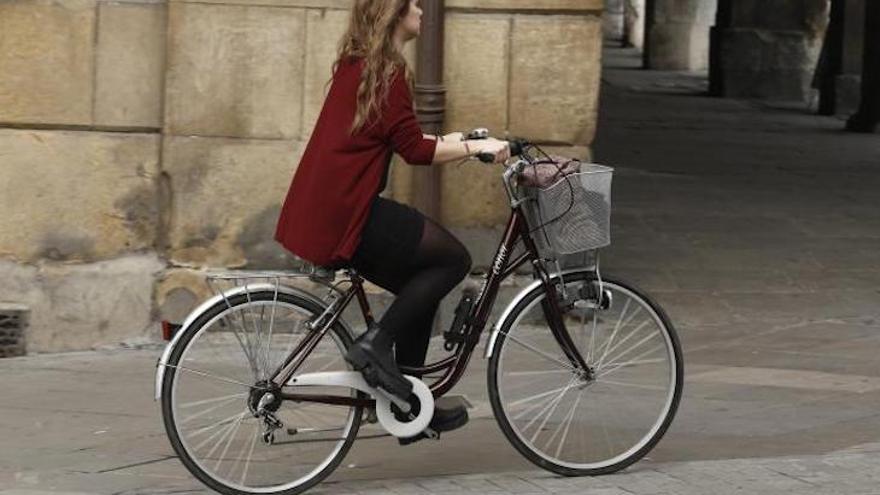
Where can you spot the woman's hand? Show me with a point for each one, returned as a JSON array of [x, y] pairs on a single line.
[[497, 147]]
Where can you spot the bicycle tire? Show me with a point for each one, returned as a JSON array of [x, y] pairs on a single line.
[[211, 314], [545, 461]]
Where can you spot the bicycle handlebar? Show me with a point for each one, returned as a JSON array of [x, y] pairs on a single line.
[[517, 146]]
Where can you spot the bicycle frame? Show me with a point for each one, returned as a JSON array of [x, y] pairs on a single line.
[[455, 365]]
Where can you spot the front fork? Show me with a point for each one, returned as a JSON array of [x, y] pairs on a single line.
[[553, 315]]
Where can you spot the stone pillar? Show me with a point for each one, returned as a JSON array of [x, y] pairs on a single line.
[[831, 60], [847, 88], [613, 20], [677, 34], [868, 116], [768, 48], [634, 23]]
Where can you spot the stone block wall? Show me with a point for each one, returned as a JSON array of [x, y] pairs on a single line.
[[145, 140]]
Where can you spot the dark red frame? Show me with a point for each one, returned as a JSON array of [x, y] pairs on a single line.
[[456, 364]]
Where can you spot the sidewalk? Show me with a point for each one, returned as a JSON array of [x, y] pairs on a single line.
[[757, 228], [84, 423]]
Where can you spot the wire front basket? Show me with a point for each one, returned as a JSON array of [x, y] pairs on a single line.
[[573, 214]]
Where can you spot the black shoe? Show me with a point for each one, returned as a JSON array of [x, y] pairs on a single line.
[[371, 354], [443, 420]]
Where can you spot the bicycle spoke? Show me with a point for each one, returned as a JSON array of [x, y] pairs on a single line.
[[542, 353], [605, 434], [208, 375], [238, 457], [636, 385], [228, 443], [247, 461], [210, 409], [244, 348], [294, 332], [226, 433], [533, 373], [536, 396], [548, 406], [250, 351], [271, 329], [635, 361], [230, 421], [567, 423], [617, 327], [208, 401], [622, 341], [636, 345]]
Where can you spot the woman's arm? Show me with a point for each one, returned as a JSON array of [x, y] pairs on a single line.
[[452, 136], [400, 125], [447, 151]]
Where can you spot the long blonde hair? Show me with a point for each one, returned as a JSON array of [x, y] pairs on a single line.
[[370, 35]]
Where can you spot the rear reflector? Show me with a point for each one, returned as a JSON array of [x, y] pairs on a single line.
[[169, 329]]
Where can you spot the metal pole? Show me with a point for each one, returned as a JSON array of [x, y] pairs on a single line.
[[430, 101]]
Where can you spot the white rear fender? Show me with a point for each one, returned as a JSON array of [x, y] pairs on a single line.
[[161, 365]]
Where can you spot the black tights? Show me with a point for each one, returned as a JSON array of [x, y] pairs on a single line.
[[440, 262]]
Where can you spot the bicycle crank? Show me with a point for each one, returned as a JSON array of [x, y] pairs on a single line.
[[353, 379]]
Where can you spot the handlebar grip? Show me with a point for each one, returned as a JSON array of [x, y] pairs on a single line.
[[516, 146], [486, 157]]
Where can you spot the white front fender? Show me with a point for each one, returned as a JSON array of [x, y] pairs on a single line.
[[490, 344], [161, 365]]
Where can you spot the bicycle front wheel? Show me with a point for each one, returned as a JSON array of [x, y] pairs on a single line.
[[216, 376], [586, 422]]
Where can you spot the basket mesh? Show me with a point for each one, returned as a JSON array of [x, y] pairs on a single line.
[[573, 214]]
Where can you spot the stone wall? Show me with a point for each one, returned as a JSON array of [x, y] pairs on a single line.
[[145, 140]]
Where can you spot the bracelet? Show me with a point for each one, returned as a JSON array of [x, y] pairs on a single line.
[[467, 148], [440, 137]]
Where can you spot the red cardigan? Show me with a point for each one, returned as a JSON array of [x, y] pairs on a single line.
[[339, 175]]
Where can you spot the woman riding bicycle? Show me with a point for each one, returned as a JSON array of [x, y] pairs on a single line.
[[333, 215]]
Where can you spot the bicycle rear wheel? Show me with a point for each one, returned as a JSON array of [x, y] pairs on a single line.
[[216, 375], [586, 423]]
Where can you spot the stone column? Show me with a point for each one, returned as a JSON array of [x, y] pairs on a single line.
[[768, 48], [613, 20], [868, 116], [634, 23], [848, 85], [831, 60], [677, 34]]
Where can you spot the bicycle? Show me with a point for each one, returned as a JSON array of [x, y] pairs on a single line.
[[585, 372]]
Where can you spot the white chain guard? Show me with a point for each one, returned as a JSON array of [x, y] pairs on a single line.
[[354, 379]]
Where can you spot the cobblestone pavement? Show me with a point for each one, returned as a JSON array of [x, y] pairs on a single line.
[[844, 473], [852, 474]]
